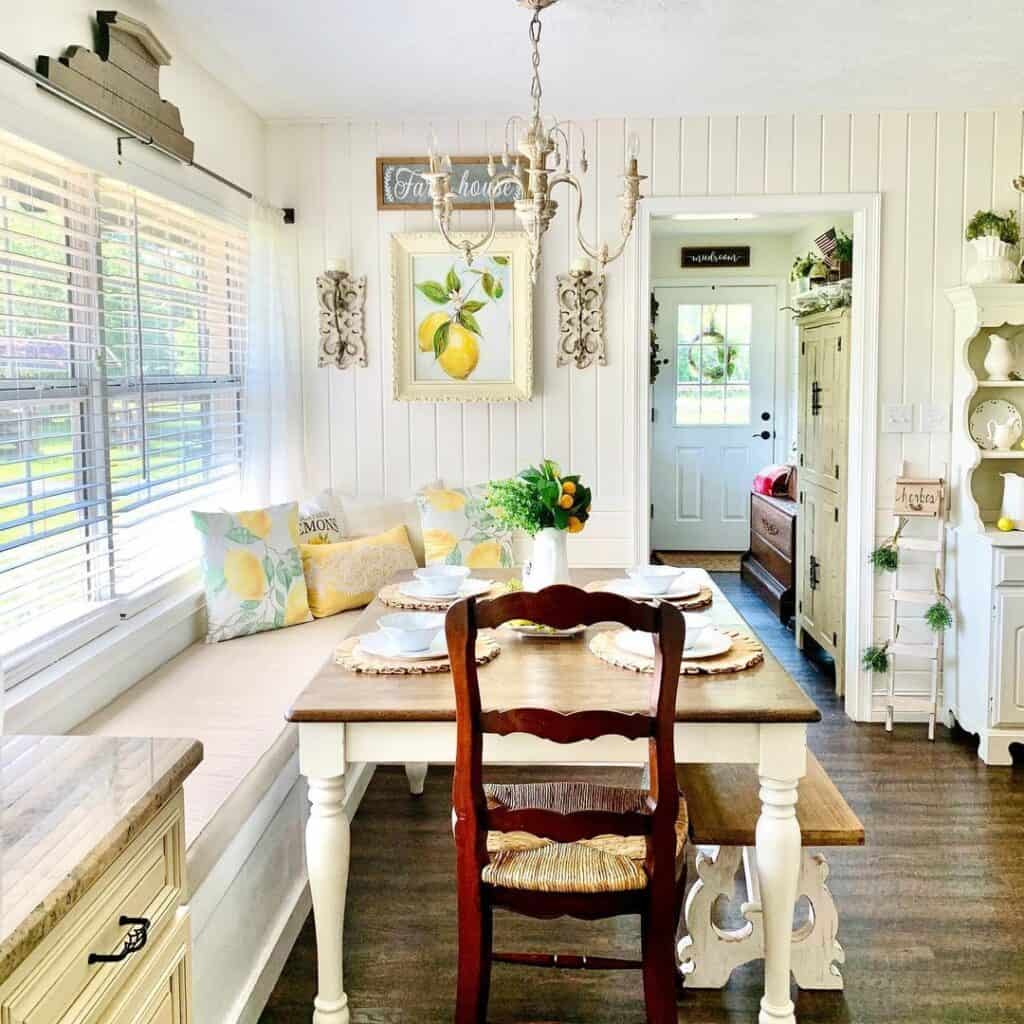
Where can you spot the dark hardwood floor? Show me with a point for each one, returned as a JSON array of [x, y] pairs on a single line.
[[931, 909]]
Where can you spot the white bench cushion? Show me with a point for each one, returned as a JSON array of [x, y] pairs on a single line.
[[233, 697]]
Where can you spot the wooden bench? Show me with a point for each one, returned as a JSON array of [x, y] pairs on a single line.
[[724, 806]]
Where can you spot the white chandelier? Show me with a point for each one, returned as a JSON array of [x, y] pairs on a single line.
[[535, 141]]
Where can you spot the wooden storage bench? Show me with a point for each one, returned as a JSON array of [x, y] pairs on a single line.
[[724, 806]]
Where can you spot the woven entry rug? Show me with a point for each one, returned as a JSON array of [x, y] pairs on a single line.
[[712, 561], [746, 652], [349, 657]]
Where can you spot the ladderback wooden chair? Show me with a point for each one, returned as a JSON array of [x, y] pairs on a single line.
[[567, 848]]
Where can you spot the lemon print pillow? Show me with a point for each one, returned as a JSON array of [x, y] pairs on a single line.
[[252, 571], [349, 574], [458, 529]]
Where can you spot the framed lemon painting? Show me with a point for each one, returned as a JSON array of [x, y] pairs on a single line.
[[463, 332]]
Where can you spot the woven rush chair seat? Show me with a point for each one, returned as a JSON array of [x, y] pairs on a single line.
[[521, 860]]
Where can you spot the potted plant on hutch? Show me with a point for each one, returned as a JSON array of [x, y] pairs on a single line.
[[546, 505], [993, 238]]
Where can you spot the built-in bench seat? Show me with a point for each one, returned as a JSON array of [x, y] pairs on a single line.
[[244, 807], [724, 805]]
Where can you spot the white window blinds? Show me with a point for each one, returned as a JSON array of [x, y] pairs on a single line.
[[122, 347]]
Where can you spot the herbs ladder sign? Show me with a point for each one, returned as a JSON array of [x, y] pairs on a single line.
[[918, 497]]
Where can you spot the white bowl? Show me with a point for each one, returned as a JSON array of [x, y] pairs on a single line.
[[411, 631], [696, 625], [654, 579], [442, 580]]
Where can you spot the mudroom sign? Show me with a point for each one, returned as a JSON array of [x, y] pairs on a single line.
[[704, 257]]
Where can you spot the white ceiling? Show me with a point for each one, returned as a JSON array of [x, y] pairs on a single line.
[[413, 59], [769, 224]]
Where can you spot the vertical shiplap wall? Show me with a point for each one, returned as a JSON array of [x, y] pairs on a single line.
[[933, 170]]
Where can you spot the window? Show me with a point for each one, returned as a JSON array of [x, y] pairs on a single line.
[[122, 346], [713, 364]]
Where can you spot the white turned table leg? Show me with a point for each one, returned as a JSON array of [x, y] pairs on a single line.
[[416, 773], [782, 764], [322, 761]]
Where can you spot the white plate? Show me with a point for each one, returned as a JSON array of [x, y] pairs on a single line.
[[535, 632], [688, 585], [378, 645], [1001, 411], [710, 644], [471, 588]]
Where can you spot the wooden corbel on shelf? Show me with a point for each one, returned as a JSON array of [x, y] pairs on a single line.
[[341, 298], [581, 317]]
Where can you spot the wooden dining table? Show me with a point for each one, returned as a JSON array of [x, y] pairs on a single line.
[[347, 719]]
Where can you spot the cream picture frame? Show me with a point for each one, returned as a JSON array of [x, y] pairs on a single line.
[[485, 353]]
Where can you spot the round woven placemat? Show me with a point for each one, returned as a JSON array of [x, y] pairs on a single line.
[[686, 604], [354, 660], [392, 596], [745, 653]]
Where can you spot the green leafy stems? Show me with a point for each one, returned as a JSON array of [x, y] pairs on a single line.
[[802, 266], [876, 658], [988, 223], [462, 306], [886, 557], [540, 497]]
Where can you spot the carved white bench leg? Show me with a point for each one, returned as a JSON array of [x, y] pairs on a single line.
[[416, 774], [709, 953]]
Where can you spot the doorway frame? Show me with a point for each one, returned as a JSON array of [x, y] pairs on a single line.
[[866, 210]]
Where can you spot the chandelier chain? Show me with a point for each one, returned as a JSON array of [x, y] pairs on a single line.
[[535, 87]]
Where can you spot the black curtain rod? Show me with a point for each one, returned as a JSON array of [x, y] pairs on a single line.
[[147, 140]]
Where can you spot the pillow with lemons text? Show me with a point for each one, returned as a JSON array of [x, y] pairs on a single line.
[[458, 529], [349, 574], [252, 571]]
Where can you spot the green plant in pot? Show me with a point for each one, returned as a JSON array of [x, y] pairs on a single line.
[[800, 273], [993, 238], [843, 254]]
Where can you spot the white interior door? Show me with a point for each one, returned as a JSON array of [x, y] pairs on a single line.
[[714, 413]]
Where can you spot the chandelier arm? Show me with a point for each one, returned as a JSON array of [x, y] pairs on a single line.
[[599, 253], [468, 248]]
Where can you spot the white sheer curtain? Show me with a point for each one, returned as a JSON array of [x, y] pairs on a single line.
[[274, 464]]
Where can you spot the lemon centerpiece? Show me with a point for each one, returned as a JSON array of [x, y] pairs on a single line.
[[547, 505]]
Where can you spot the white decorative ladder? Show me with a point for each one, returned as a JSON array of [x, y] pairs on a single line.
[[932, 652]]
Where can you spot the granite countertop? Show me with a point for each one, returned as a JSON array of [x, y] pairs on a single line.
[[69, 805]]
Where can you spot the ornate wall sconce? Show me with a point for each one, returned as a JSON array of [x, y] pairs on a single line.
[[341, 297], [581, 316]]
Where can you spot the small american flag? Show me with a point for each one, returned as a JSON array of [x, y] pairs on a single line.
[[826, 243]]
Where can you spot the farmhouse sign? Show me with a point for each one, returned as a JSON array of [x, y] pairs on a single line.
[[918, 497], [702, 257], [400, 185]]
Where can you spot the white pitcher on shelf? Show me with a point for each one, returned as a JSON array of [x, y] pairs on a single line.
[[1013, 497], [999, 359], [1002, 435]]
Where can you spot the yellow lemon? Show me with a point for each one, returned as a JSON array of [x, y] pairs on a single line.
[[244, 574], [486, 555], [1004, 524], [296, 606], [574, 525], [446, 501], [565, 501], [428, 328], [438, 544], [459, 359], [256, 522], [569, 487]]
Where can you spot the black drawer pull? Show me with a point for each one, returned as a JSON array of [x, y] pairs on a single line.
[[133, 941]]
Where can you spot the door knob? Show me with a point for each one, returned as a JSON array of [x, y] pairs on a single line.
[[763, 434]]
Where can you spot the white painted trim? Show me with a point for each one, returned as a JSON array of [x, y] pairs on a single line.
[[866, 209]]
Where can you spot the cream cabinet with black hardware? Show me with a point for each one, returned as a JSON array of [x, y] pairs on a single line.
[[822, 429]]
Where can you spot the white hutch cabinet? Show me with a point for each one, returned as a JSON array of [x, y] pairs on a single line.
[[987, 697]]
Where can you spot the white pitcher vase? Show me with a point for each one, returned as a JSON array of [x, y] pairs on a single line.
[[994, 264], [549, 563], [999, 358]]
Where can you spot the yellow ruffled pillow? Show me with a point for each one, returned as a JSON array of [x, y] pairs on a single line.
[[349, 574]]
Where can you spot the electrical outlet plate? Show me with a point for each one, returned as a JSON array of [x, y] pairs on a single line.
[[897, 419], [935, 418]]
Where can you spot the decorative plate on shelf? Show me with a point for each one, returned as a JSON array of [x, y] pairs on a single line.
[[1000, 412]]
